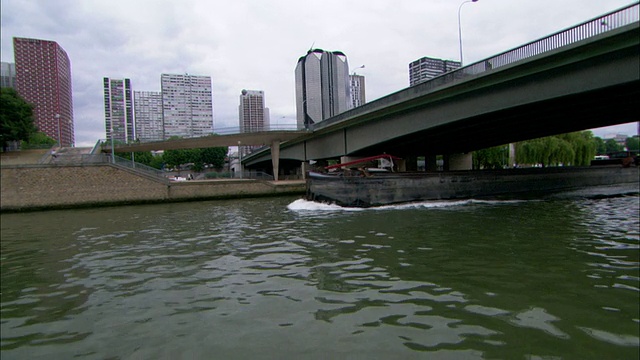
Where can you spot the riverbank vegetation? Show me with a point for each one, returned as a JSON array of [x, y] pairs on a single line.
[[198, 159], [16, 118], [571, 149]]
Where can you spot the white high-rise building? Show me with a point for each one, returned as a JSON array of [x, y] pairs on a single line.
[[356, 83], [187, 105], [427, 68], [254, 116], [322, 86], [148, 115], [118, 110]]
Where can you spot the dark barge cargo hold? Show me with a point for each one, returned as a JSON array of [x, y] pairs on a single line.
[[376, 189]]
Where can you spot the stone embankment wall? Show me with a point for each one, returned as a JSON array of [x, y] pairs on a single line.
[[33, 187]]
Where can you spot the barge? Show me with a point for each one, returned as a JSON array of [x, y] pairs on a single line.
[[366, 189]]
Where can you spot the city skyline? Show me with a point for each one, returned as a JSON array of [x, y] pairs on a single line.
[[202, 37]]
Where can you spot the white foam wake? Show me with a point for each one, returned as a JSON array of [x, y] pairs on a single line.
[[305, 205]]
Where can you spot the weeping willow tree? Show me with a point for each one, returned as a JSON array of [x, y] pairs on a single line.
[[583, 144], [496, 157], [571, 149]]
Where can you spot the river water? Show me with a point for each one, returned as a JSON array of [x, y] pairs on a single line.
[[281, 278]]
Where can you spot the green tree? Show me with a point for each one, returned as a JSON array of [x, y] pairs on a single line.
[[601, 148], [142, 157], [157, 162], [173, 158], [551, 150], [199, 157], [633, 143], [583, 145], [491, 158], [214, 156], [612, 146], [16, 118], [38, 140]]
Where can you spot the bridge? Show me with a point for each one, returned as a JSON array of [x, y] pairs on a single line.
[[580, 78], [584, 77]]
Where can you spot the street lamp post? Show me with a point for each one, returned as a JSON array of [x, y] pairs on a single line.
[[113, 150], [460, 28], [240, 159], [59, 139], [353, 71]]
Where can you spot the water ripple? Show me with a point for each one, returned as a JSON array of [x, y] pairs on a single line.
[[255, 278]]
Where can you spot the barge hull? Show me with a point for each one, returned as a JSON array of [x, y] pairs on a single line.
[[393, 188]]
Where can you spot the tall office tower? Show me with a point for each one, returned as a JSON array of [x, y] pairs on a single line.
[[322, 86], [187, 106], [118, 110], [43, 79], [356, 84], [147, 107], [254, 116], [427, 68], [7, 75]]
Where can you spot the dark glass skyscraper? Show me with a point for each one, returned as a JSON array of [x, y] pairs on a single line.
[[322, 86]]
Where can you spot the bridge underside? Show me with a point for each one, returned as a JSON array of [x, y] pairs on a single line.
[[603, 107]]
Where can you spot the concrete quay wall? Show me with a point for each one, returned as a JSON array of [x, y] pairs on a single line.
[[38, 187]]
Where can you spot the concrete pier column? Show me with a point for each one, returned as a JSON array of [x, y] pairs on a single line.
[[430, 163], [275, 158], [459, 161], [346, 159], [401, 165], [512, 154], [411, 163]]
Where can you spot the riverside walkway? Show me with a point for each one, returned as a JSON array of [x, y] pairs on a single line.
[[31, 181]]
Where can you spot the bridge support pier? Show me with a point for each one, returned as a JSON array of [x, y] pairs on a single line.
[[512, 154], [458, 161], [411, 163], [275, 158], [346, 159], [430, 163]]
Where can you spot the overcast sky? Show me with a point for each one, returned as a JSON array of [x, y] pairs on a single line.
[[255, 44]]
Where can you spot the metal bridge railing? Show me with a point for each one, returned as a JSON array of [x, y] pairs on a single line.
[[616, 19], [75, 159], [138, 167], [599, 25], [97, 147]]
